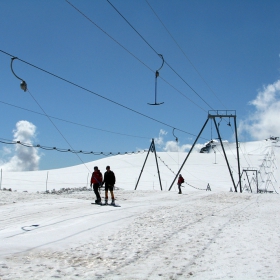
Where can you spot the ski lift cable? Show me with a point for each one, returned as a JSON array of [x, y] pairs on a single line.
[[171, 157], [79, 11], [195, 187], [175, 174], [74, 123], [157, 53], [166, 164], [99, 95], [63, 150], [173, 171], [23, 86], [188, 84], [58, 130], [184, 53]]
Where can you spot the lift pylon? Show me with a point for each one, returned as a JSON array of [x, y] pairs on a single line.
[[153, 150], [213, 114]]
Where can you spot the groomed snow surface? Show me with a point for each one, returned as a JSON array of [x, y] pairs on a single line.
[[155, 234]]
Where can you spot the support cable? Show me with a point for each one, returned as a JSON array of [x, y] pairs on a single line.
[[175, 174], [74, 123], [184, 53], [23, 86], [157, 53], [112, 38], [99, 95], [58, 130], [63, 150]]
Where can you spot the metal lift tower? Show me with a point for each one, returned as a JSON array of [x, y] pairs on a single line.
[[213, 114]]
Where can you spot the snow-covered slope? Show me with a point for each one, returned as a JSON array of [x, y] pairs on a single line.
[[154, 234], [199, 170]]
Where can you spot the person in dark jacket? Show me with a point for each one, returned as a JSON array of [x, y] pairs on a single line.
[[180, 181], [96, 180], [109, 180]]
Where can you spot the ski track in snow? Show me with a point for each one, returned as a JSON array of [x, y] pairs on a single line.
[[154, 235]]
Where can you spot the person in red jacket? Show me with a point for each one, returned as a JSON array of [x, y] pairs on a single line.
[[180, 181], [96, 180]]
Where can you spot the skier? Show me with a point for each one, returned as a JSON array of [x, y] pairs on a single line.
[[96, 180], [180, 181], [109, 180]]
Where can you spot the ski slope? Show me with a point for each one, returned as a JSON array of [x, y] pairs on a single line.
[[199, 170]]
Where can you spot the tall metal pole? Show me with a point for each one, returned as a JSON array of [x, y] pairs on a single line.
[[143, 165], [237, 150], [225, 154], [188, 154], [157, 164]]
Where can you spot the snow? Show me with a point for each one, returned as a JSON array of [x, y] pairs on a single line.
[[155, 234]]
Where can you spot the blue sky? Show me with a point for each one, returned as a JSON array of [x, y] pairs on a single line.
[[230, 61]]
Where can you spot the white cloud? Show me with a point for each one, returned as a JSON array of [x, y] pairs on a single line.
[[24, 158], [159, 140], [173, 146], [264, 121]]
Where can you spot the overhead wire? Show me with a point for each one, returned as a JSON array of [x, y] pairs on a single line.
[[57, 128], [63, 150], [23, 86], [78, 124], [158, 54], [196, 70], [99, 95], [112, 38], [175, 174]]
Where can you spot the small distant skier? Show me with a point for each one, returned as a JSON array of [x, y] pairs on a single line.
[[96, 180], [109, 180], [180, 181]]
